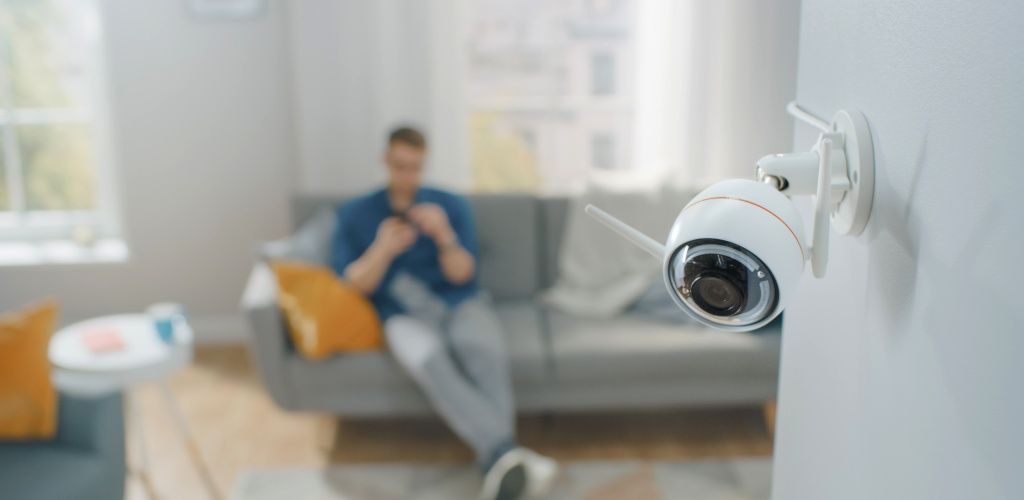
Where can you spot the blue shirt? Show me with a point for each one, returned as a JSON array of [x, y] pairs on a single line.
[[357, 227]]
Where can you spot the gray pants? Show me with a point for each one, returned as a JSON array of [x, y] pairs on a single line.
[[459, 361]]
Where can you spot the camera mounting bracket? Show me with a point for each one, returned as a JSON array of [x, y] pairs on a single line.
[[853, 169], [851, 214], [839, 171]]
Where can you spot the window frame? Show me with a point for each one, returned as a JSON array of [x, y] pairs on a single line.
[[603, 148], [19, 224], [603, 73]]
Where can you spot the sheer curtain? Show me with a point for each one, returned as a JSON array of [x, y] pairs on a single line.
[[712, 81], [360, 68]]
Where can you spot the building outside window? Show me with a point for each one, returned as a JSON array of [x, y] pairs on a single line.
[[55, 169], [602, 151], [541, 76], [602, 70]]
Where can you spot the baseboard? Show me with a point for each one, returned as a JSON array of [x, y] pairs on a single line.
[[219, 328]]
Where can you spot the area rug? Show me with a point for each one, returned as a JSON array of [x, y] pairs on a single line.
[[733, 479]]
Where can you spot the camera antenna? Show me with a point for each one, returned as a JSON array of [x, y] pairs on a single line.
[[822, 209], [657, 250]]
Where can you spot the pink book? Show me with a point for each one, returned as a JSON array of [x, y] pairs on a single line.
[[103, 340]]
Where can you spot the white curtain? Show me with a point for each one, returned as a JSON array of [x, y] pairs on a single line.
[[712, 81], [362, 67]]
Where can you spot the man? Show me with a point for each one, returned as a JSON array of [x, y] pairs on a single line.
[[407, 233]]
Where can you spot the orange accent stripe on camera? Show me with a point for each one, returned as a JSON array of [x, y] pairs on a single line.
[[773, 214]]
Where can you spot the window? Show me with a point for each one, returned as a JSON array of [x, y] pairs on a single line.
[[54, 173], [602, 73], [602, 151], [540, 76]]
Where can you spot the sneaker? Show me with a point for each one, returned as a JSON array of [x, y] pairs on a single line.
[[541, 473], [508, 478]]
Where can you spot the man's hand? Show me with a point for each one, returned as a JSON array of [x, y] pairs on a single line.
[[433, 221], [394, 237], [457, 264]]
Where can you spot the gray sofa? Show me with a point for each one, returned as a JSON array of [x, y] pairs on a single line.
[[85, 460], [558, 362]]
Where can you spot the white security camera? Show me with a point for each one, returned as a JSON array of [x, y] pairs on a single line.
[[733, 256], [736, 252]]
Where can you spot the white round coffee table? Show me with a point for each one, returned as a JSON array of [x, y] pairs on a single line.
[[141, 357], [144, 357]]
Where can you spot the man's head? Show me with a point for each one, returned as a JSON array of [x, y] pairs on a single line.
[[404, 157]]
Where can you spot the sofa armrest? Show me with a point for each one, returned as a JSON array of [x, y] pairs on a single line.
[[92, 424], [269, 334]]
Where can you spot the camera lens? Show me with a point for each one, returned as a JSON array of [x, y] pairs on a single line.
[[717, 284], [718, 294], [722, 283]]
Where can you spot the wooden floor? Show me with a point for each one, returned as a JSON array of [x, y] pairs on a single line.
[[238, 427]]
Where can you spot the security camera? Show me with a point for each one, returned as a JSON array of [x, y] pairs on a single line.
[[737, 250], [733, 256]]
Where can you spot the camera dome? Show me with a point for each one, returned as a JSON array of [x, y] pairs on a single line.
[[734, 255]]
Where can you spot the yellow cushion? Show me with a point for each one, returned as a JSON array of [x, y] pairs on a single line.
[[28, 401], [325, 315]]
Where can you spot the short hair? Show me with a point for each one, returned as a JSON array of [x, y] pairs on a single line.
[[409, 136]]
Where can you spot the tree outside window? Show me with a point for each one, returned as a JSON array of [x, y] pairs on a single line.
[[50, 173]]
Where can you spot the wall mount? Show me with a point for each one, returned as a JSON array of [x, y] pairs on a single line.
[[839, 171]]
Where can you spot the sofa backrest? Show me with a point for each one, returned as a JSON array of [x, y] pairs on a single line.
[[519, 235], [553, 214]]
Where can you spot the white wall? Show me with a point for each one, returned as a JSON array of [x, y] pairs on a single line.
[[203, 150], [902, 370]]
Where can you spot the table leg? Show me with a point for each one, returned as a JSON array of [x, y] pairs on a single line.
[[190, 442], [139, 436]]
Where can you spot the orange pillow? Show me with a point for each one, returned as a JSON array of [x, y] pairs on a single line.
[[325, 315], [28, 401]]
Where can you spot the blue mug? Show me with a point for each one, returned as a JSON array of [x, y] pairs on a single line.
[[165, 316]]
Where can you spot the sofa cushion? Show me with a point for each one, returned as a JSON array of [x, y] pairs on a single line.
[[50, 471], [307, 206], [359, 372], [326, 316], [311, 242], [28, 401], [632, 347], [554, 212], [506, 227]]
